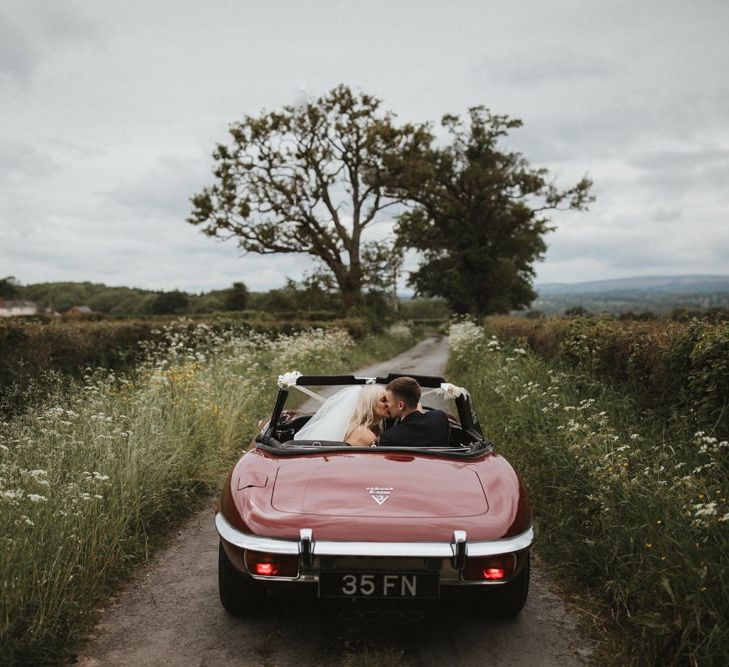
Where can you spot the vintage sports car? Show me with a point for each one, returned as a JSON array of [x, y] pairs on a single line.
[[374, 522]]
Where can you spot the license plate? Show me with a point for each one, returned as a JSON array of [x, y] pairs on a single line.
[[378, 585]]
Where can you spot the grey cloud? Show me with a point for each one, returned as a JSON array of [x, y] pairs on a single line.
[[18, 159], [523, 68], [156, 251], [631, 245], [165, 188], [34, 31], [663, 214], [680, 174], [693, 159], [75, 150], [18, 53], [143, 261], [601, 125], [691, 111], [61, 23]]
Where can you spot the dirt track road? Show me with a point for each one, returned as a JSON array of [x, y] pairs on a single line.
[[170, 613]]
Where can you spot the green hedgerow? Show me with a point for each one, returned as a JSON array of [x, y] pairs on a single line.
[[634, 510]]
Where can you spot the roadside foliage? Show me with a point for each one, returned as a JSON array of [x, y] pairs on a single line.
[[43, 351], [630, 506], [93, 478], [679, 370]]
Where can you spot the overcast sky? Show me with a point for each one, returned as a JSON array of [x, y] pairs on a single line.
[[109, 112]]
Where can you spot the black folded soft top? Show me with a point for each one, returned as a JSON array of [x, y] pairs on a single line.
[[429, 381]]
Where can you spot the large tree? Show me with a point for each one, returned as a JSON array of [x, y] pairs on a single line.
[[236, 297], [309, 179], [480, 216], [9, 288]]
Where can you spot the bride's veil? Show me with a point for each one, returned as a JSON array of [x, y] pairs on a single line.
[[331, 420]]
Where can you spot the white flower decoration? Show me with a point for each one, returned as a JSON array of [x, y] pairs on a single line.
[[288, 379], [448, 390]]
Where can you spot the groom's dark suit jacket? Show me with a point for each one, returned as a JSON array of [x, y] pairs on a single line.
[[418, 429]]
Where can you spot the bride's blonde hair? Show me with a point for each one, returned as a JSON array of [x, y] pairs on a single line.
[[365, 413]]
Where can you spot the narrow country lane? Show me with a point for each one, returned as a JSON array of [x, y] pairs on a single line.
[[169, 614]]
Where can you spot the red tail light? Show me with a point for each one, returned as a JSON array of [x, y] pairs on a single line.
[[494, 573], [490, 568], [272, 565]]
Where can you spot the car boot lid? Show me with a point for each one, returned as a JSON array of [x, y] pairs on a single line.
[[390, 485]]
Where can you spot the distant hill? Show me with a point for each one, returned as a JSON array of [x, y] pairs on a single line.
[[640, 294], [710, 284], [131, 301]]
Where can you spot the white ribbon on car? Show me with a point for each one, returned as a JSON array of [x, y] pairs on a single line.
[[447, 390], [288, 380]]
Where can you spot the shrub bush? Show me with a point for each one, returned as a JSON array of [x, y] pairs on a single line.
[[672, 368]]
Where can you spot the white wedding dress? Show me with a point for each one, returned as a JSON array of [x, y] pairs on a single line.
[[331, 420]]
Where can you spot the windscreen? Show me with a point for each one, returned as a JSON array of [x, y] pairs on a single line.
[[363, 415]]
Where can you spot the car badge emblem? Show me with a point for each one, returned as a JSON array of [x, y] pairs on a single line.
[[380, 494]]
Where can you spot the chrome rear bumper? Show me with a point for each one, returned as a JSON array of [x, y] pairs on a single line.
[[308, 547]]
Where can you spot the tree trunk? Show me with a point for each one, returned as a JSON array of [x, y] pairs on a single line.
[[352, 297], [351, 289]]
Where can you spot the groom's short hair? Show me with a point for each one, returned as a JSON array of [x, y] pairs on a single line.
[[405, 389]]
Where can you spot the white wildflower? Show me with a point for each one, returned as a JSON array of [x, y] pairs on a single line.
[[463, 336], [705, 509], [400, 330]]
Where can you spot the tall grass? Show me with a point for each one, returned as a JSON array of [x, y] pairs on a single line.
[[91, 481], [635, 512]]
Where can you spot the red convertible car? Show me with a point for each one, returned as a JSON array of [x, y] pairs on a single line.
[[374, 522]]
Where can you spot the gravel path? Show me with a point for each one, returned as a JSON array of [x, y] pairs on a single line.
[[169, 614]]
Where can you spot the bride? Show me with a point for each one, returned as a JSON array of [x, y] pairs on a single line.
[[353, 415]]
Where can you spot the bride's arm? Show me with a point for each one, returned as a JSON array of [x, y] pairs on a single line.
[[361, 437]]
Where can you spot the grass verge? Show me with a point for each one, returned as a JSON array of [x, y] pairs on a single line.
[[634, 512]]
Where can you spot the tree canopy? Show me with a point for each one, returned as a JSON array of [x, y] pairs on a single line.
[[170, 303], [236, 297], [310, 179], [480, 216], [9, 288]]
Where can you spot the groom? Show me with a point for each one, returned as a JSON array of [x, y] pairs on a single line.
[[415, 427]]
